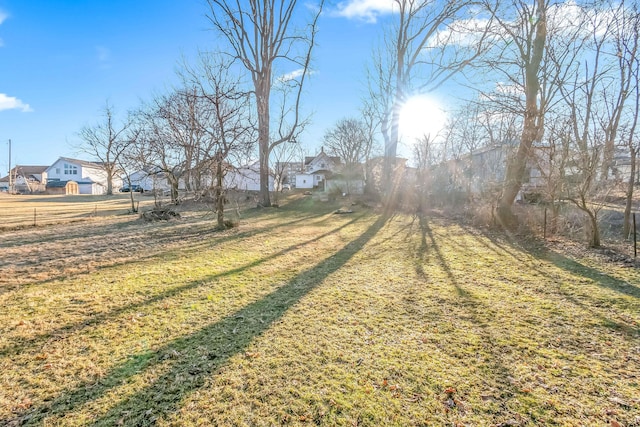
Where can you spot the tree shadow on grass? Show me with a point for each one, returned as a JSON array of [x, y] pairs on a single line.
[[469, 306], [576, 269], [171, 235], [600, 278], [64, 331], [194, 358], [565, 263]]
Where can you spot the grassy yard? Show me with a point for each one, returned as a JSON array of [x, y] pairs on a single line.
[[303, 317]]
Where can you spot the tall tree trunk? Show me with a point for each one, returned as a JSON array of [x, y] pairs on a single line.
[[630, 186], [532, 126], [592, 229], [109, 186], [110, 172], [219, 193], [391, 148], [262, 99], [173, 182]]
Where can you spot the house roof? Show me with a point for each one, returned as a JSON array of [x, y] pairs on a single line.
[[56, 184], [62, 184], [84, 163], [25, 170], [335, 159]]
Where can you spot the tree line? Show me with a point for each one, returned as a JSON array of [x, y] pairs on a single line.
[[558, 81]]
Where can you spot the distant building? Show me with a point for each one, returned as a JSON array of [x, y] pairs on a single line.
[[25, 179], [317, 170], [149, 179], [286, 172], [90, 177], [246, 178]]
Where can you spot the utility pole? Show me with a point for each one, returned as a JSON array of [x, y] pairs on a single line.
[[10, 183]]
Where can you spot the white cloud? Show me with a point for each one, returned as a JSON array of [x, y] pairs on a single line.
[[293, 75], [570, 18], [366, 10], [563, 19], [12, 103], [463, 32]]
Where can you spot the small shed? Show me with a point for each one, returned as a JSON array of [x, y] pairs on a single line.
[[63, 187]]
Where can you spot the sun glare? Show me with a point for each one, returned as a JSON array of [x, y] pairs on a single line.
[[420, 116]]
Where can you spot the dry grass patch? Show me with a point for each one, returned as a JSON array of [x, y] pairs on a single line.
[[303, 317], [20, 211]]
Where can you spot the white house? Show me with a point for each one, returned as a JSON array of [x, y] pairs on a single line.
[[90, 176], [149, 180], [317, 170], [25, 179], [246, 178]]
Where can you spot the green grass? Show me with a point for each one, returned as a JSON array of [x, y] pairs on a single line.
[[304, 317]]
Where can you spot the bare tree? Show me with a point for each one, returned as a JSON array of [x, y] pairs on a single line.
[[230, 128], [106, 141], [425, 162], [162, 156], [478, 138], [528, 34], [350, 140], [422, 49], [131, 161], [169, 130], [634, 149], [283, 158], [628, 48], [192, 134], [262, 36], [583, 98], [623, 32]]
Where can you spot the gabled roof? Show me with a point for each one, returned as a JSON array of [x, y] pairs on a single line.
[[83, 163], [252, 167], [335, 159], [26, 170]]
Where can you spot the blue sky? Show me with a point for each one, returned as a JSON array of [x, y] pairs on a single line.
[[60, 61]]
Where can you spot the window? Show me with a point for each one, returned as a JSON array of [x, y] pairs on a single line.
[[70, 169], [57, 171]]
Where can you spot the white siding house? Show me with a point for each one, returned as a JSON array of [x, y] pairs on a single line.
[[246, 178], [90, 176], [317, 170], [150, 180], [305, 180]]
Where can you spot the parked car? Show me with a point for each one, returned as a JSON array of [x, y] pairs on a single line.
[[135, 188]]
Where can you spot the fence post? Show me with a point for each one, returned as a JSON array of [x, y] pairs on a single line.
[[34, 217], [635, 239], [544, 228]]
